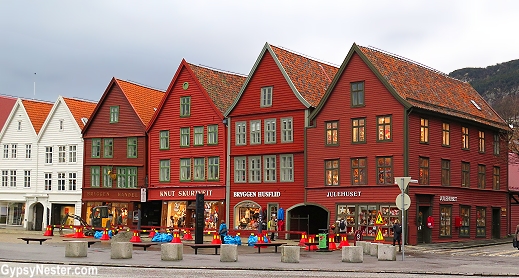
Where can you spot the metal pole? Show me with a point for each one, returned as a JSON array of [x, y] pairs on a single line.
[[403, 221]]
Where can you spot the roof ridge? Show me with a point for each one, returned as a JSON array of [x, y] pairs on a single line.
[[307, 56], [81, 99], [37, 100], [142, 85], [220, 70]]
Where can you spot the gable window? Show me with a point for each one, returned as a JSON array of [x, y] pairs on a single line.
[[6, 151], [185, 106], [199, 169], [48, 155], [495, 180], [28, 149], [465, 174], [114, 114], [423, 177], [357, 94], [72, 153], [424, 130], [496, 144], [185, 169], [266, 97], [270, 131], [446, 172], [465, 138], [286, 167], [184, 137], [481, 141], [61, 181], [164, 175], [384, 128], [255, 132], [5, 178], [213, 168], [481, 222], [61, 154], [255, 169], [465, 221], [287, 131], [239, 169], [107, 179], [481, 176], [132, 147], [19, 125], [72, 181], [108, 147], [331, 172], [212, 134], [358, 130], [332, 133], [94, 176], [269, 163], [446, 140], [385, 170], [12, 178], [164, 139], [26, 179], [198, 136], [358, 171], [445, 220], [96, 148], [60, 125], [48, 181], [241, 130]]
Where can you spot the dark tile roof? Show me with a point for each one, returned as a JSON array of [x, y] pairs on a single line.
[[144, 100]]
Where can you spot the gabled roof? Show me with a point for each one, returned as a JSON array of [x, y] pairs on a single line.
[[308, 77], [6, 105], [416, 85], [80, 109], [144, 100], [37, 112]]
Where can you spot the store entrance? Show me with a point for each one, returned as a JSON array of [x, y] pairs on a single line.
[[496, 223], [151, 213], [424, 234], [307, 218]]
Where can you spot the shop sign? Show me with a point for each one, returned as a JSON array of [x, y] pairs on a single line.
[[448, 198], [184, 193], [254, 194], [343, 194]]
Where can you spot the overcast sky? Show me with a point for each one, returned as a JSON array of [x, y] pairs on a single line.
[[74, 48]]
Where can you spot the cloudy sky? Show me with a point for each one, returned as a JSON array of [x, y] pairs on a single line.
[[74, 48]]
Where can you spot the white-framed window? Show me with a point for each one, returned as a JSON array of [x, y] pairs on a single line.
[[72, 153], [107, 179], [122, 181], [198, 136], [266, 97], [212, 134], [61, 154], [213, 168], [28, 150], [287, 132], [95, 176], [164, 174], [255, 132], [48, 181], [239, 169], [114, 114], [255, 169], [27, 178], [269, 164], [61, 181], [6, 151], [286, 167], [12, 178], [270, 131], [72, 181], [48, 155], [5, 178], [184, 137], [241, 133], [185, 169], [131, 176], [13, 150], [199, 169]]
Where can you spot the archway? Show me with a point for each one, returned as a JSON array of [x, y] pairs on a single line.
[[38, 216], [307, 218]]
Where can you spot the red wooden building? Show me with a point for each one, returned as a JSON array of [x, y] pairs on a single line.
[[266, 137], [187, 144], [115, 153], [384, 117]]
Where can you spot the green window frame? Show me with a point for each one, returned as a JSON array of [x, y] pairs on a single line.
[[199, 169], [164, 139], [332, 133], [358, 130], [108, 148], [164, 171], [331, 170], [96, 148], [198, 136], [213, 168], [114, 114], [132, 147], [107, 179], [127, 177], [185, 106], [185, 169], [212, 134], [359, 171], [184, 136], [94, 176], [357, 94], [384, 128]]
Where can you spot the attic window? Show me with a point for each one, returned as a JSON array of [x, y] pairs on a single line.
[[475, 104], [84, 120]]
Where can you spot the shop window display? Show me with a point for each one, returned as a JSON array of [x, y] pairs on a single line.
[[465, 221], [348, 213], [363, 217], [445, 220], [177, 214], [117, 212], [480, 222], [247, 216], [389, 215]]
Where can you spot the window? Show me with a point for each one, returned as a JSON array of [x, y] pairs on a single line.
[[199, 169], [465, 138], [254, 169], [121, 177], [358, 171], [424, 130], [114, 114], [96, 148], [465, 174], [331, 172], [496, 144], [240, 169], [132, 147], [60, 125], [266, 97], [185, 169], [94, 176], [19, 125], [12, 178], [6, 151], [241, 130], [61, 181], [62, 151], [72, 181], [164, 174], [465, 221], [213, 168], [132, 177], [286, 167], [107, 179], [332, 133], [5, 178], [13, 150], [164, 139], [384, 170], [423, 177], [108, 148], [481, 176], [446, 141], [255, 132], [48, 155], [127, 177], [495, 180], [445, 220], [481, 222], [481, 141], [72, 153], [26, 179], [270, 131], [185, 106], [358, 130], [384, 128], [357, 94], [184, 137], [28, 150], [48, 181], [198, 136], [287, 131], [269, 163], [212, 134], [446, 172]]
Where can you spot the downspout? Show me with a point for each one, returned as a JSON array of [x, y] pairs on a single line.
[[228, 173]]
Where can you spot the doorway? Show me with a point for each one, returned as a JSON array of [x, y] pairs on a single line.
[[496, 222], [38, 219], [308, 218], [424, 234]]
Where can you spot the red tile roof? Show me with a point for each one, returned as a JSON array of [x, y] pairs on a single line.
[[432, 90], [144, 100], [80, 109], [310, 77], [6, 105], [222, 87], [37, 112]]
